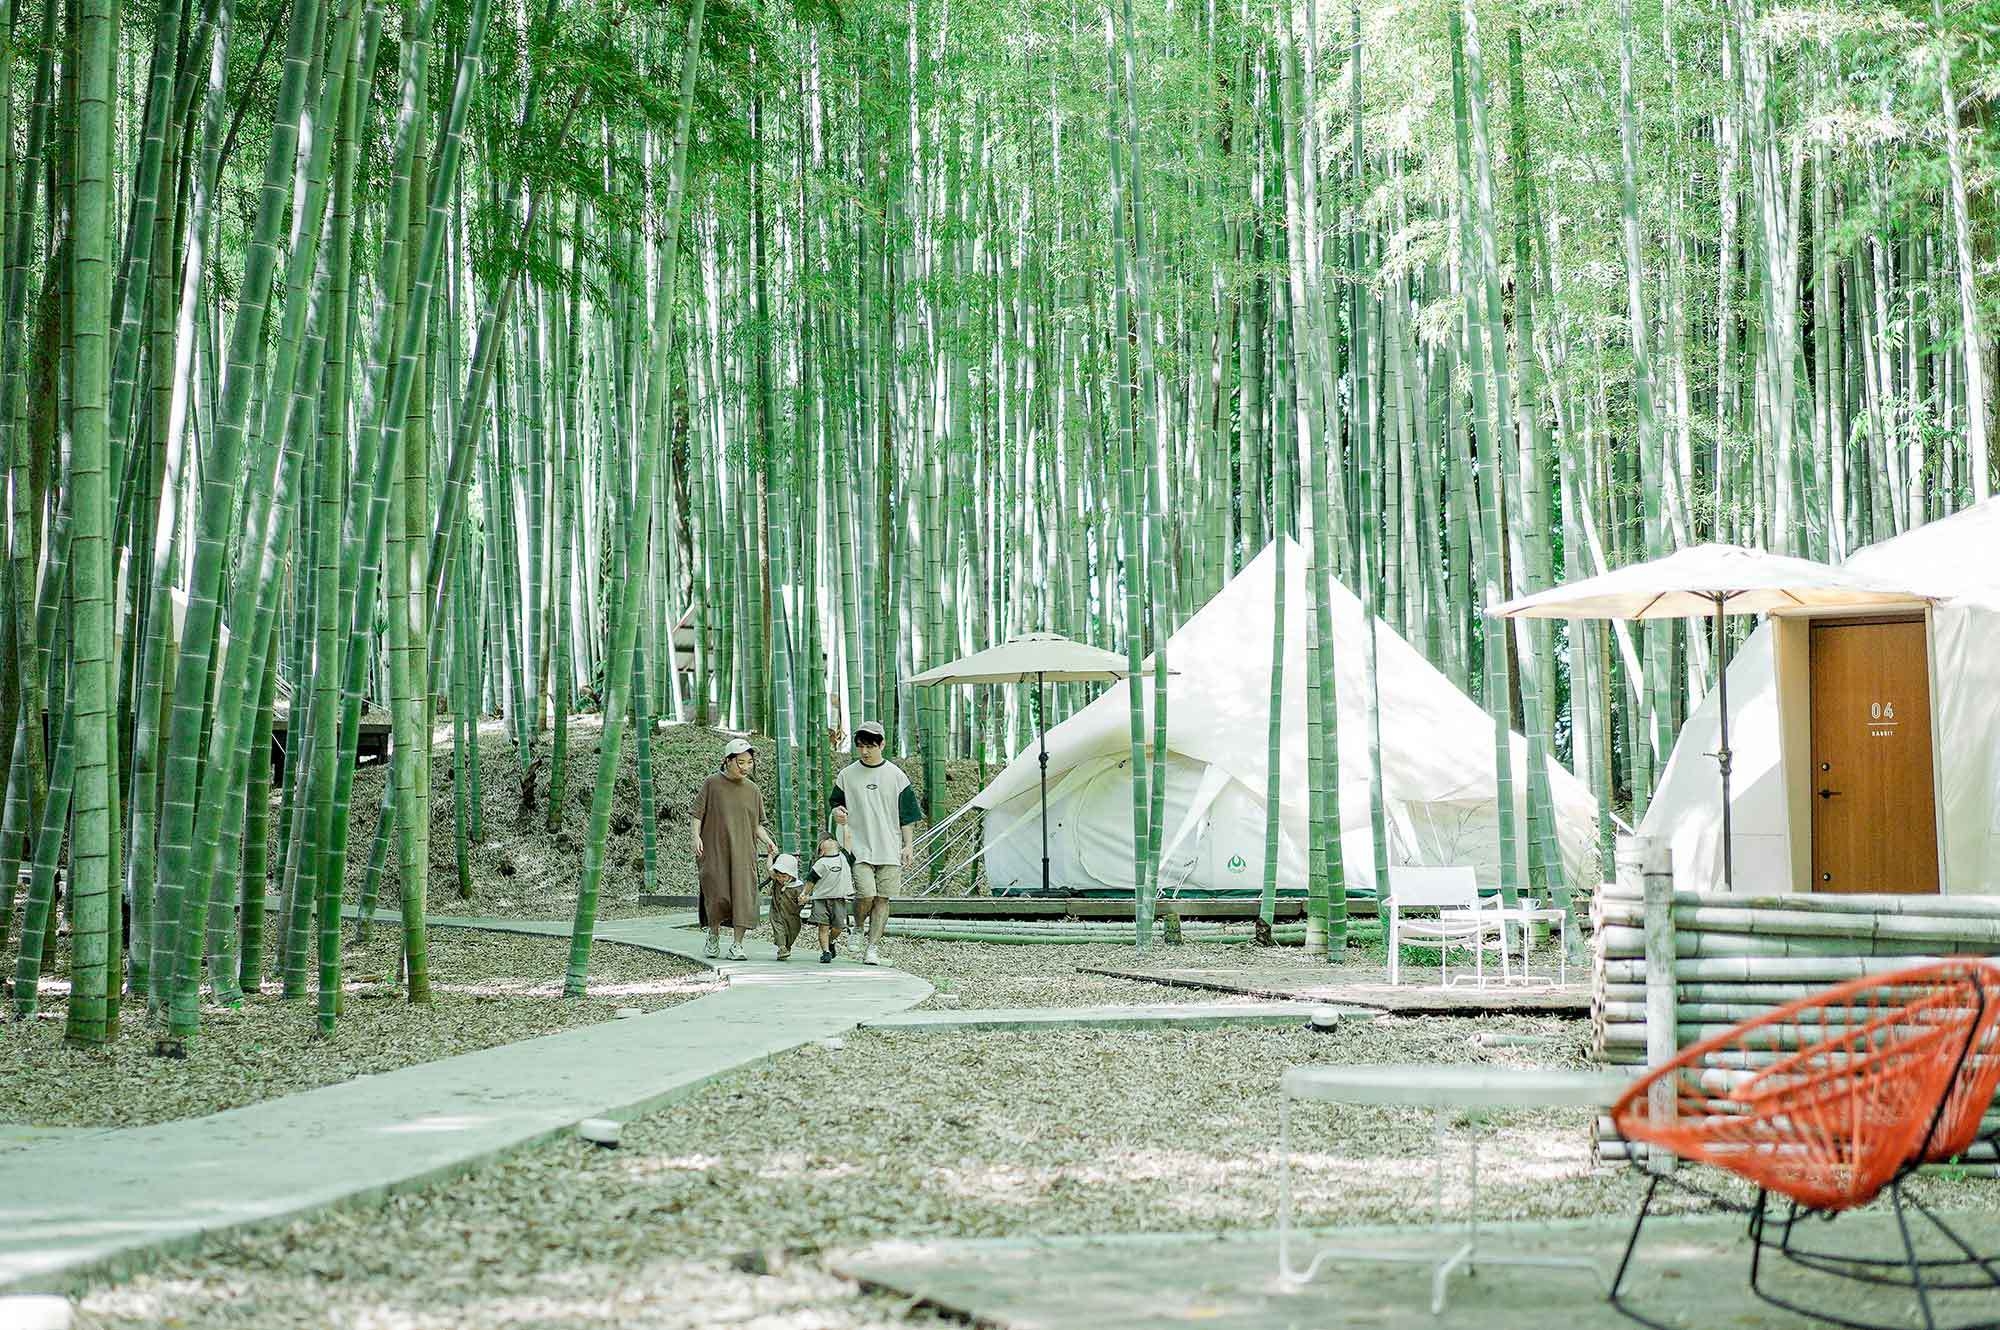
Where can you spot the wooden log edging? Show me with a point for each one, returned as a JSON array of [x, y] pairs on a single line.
[[1670, 967], [1815, 925]]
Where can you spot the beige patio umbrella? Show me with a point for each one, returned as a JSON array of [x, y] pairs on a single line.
[[1040, 659], [1706, 581]]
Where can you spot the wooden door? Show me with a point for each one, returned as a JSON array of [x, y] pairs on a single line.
[[1874, 823]]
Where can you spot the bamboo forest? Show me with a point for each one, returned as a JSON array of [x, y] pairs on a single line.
[[438, 433]]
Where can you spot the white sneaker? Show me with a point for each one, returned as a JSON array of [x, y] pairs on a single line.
[[736, 952], [711, 949], [873, 957]]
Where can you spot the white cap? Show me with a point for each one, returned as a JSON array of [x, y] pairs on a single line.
[[873, 727], [738, 747], [787, 864]]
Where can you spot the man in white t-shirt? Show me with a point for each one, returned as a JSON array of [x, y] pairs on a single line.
[[874, 800]]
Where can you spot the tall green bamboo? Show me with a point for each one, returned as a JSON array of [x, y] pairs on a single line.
[[269, 506], [1131, 534], [1274, 729], [1655, 742], [149, 833], [1535, 638], [94, 980], [1492, 415], [625, 616], [1151, 435], [1970, 330], [182, 787], [381, 446]]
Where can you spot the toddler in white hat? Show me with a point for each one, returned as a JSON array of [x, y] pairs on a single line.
[[787, 903]]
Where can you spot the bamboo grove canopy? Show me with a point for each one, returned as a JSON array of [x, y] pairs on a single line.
[[1954, 561], [447, 350], [1437, 763]]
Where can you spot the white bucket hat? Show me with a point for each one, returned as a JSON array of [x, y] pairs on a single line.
[[787, 864]]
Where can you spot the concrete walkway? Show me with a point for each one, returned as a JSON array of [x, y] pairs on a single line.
[[79, 1207], [1690, 1274]]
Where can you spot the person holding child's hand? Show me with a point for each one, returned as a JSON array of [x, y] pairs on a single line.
[[878, 812], [728, 817]]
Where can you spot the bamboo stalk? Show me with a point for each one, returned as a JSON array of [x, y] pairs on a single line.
[[1723, 1014], [1752, 994], [1859, 929], [1620, 941], [1864, 906], [1818, 970]]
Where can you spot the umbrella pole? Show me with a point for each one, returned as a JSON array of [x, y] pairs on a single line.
[[1042, 730], [1722, 755]]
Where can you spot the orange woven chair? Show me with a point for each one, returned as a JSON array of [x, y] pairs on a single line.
[[1827, 1102], [1958, 1127]]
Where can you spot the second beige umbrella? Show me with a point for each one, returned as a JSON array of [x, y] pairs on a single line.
[[1040, 659], [1709, 581]]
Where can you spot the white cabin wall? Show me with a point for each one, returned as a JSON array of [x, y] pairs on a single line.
[[1792, 656]]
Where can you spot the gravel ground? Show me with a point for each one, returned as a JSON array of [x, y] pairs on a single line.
[[488, 989], [979, 974], [896, 1134], [983, 974], [717, 1210], [524, 870]]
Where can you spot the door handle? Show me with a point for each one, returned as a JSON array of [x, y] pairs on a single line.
[[1828, 794]]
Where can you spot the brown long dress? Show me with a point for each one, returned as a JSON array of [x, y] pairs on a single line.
[[729, 811]]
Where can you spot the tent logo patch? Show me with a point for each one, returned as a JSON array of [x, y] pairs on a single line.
[[1236, 864]]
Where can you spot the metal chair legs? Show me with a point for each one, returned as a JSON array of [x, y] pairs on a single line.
[[1769, 1231], [1616, 1296], [1913, 1274]]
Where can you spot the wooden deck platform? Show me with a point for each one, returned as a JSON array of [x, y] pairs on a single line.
[[1101, 909], [1359, 984], [373, 744], [372, 747]]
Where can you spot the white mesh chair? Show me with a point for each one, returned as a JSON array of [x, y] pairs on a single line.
[[1454, 916]]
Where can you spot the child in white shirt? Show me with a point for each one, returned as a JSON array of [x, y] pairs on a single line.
[[829, 888]]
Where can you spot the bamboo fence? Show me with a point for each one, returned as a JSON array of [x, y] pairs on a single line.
[[1672, 967]]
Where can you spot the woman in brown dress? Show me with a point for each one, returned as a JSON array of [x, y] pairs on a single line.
[[728, 827]]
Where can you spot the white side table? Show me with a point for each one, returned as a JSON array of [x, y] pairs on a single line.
[[1527, 916], [1437, 1088]]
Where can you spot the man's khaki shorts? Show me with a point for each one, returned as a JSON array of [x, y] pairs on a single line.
[[878, 880]]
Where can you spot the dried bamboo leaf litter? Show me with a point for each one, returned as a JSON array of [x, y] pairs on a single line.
[[903, 1134], [489, 989]]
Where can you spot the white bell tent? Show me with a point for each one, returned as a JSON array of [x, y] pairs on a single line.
[[1956, 563], [1437, 764]]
